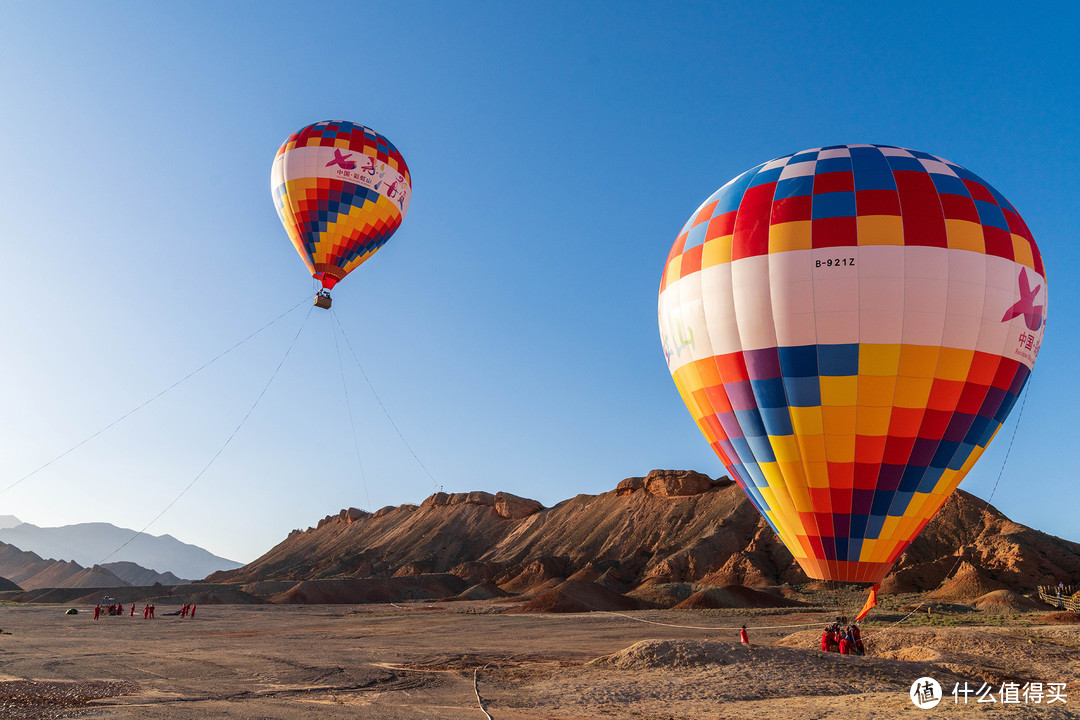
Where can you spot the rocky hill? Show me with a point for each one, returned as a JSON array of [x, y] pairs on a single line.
[[667, 527], [29, 571], [134, 574]]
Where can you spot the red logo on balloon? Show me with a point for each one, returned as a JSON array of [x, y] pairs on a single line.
[[342, 160], [1033, 314]]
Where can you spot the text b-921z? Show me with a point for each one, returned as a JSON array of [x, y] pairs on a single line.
[[836, 262]]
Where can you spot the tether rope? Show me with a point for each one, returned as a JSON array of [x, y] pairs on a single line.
[[152, 399], [840, 601], [348, 409], [476, 689], [704, 627], [985, 509], [839, 598], [226, 443], [380, 402], [202, 472], [335, 321]]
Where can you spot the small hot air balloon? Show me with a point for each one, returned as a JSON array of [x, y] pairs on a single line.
[[849, 327], [341, 190]]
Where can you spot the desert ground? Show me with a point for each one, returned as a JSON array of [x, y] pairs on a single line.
[[432, 660]]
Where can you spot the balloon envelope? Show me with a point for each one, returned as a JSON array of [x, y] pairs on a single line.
[[849, 326], [341, 190]]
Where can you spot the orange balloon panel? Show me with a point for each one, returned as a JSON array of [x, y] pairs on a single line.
[[849, 327], [341, 190]]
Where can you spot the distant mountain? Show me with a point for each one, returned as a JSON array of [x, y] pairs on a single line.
[[88, 543], [29, 571], [133, 574], [6, 585], [9, 521]]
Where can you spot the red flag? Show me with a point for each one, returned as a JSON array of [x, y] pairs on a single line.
[[871, 601]]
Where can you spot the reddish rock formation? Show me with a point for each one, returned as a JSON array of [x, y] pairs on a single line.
[[480, 591], [733, 596], [666, 529], [575, 596], [676, 483], [353, 590], [30, 572], [967, 583], [514, 507], [671, 483], [535, 574], [1007, 602]]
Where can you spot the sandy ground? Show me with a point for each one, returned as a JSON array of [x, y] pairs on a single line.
[[418, 661]]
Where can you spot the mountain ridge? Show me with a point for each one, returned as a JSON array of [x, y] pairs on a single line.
[[666, 528], [87, 543], [29, 571]]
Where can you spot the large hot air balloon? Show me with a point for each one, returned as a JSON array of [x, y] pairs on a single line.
[[341, 191], [849, 327]]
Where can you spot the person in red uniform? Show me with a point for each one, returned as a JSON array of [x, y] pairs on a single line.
[[845, 646], [193, 606], [97, 611], [151, 611], [132, 609], [742, 636]]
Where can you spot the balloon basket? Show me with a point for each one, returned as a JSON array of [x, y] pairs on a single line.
[[322, 300]]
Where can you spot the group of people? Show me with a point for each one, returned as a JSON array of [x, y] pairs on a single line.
[[846, 640], [118, 609], [111, 609], [187, 610]]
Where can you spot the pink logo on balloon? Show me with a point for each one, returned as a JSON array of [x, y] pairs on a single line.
[[342, 160], [1033, 314], [370, 167]]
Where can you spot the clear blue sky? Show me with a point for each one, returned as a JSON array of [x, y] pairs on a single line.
[[510, 325]]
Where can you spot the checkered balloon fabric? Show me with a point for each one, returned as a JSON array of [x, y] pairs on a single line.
[[341, 190], [849, 327]]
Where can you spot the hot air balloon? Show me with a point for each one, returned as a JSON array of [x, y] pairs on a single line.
[[849, 327], [341, 190]]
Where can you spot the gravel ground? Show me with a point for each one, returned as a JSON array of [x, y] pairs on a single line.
[[47, 699], [391, 662]]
